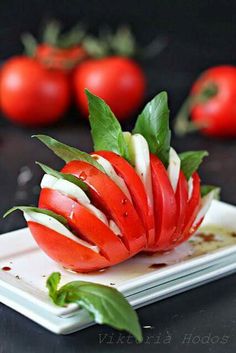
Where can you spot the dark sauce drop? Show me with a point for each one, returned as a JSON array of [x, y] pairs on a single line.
[[6, 268], [207, 237], [157, 266]]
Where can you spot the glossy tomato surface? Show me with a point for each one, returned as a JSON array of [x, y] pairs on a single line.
[[119, 81], [31, 94], [217, 114]]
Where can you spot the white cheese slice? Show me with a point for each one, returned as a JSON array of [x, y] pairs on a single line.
[[110, 171], [58, 227], [114, 227], [173, 168], [190, 188], [140, 158], [74, 191], [205, 205]]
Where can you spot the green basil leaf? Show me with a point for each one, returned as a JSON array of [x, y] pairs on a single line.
[[190, 161], [26, 209], [69, 177], [105, 128], [205, 189], [153, 124], [68, 153], [106, 304]]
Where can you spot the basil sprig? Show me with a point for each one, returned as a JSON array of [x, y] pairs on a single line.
[[105, 128], [69, 177], [27, 209], [105, 304], [206, 189], [153, 124], [68, 153], [190, 161]]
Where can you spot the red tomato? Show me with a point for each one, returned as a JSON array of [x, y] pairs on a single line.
[[32, 95], [181, 197], [110, 199], [67, 252], [119, 81], [60, 58], [193, 207], [218, 112], [136, 189], [165, 208], [85, 224]]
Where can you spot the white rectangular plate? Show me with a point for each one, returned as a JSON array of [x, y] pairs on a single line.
[[204, 258]]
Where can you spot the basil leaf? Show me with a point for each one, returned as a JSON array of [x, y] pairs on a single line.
[[105, 128], [68, 153], [153, 124], [106, 304], [69, 177], [205, 189], [26, 209], [190, 161]]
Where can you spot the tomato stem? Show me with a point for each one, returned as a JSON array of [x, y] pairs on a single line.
[[182, 123]]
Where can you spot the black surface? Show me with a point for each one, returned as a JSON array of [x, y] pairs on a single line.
[[200, 34]]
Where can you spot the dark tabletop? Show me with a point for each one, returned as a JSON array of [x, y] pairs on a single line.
[[199, 34]]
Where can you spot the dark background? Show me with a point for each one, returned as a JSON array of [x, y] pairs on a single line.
[[199, 34]]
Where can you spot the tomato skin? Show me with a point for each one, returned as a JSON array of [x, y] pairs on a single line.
[[219, 111], [136, 189], [109, 198], [119, 81], [84, 223], [181, 197], [60, 58], [165, 208], [31, 94], [194, 205], [67, 252]]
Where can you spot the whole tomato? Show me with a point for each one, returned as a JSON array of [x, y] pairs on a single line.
[[214, 101], [119, 81], [31, 94]]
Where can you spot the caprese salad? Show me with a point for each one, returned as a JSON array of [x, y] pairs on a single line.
[[133, 193]]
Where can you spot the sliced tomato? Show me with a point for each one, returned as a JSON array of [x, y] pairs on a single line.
[[165, 209], [85, 224], [108, 197], [65, 251], [181, 197], [193, 207], [136, 189]]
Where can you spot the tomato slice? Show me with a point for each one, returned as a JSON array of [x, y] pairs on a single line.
[[136, 189], [108, 197], [181, 197], [85, 224], [65, 251], [165, 209], [193, 207]]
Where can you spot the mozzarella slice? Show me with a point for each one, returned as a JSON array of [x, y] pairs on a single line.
[[58, 227], [205, 205], [74, 191], [190, 188], [114, 227], [173, 168], [140, 158], [110, 171], [99, 214], [127, 136]]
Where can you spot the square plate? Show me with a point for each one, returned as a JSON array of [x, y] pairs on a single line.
[[142, 279]]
